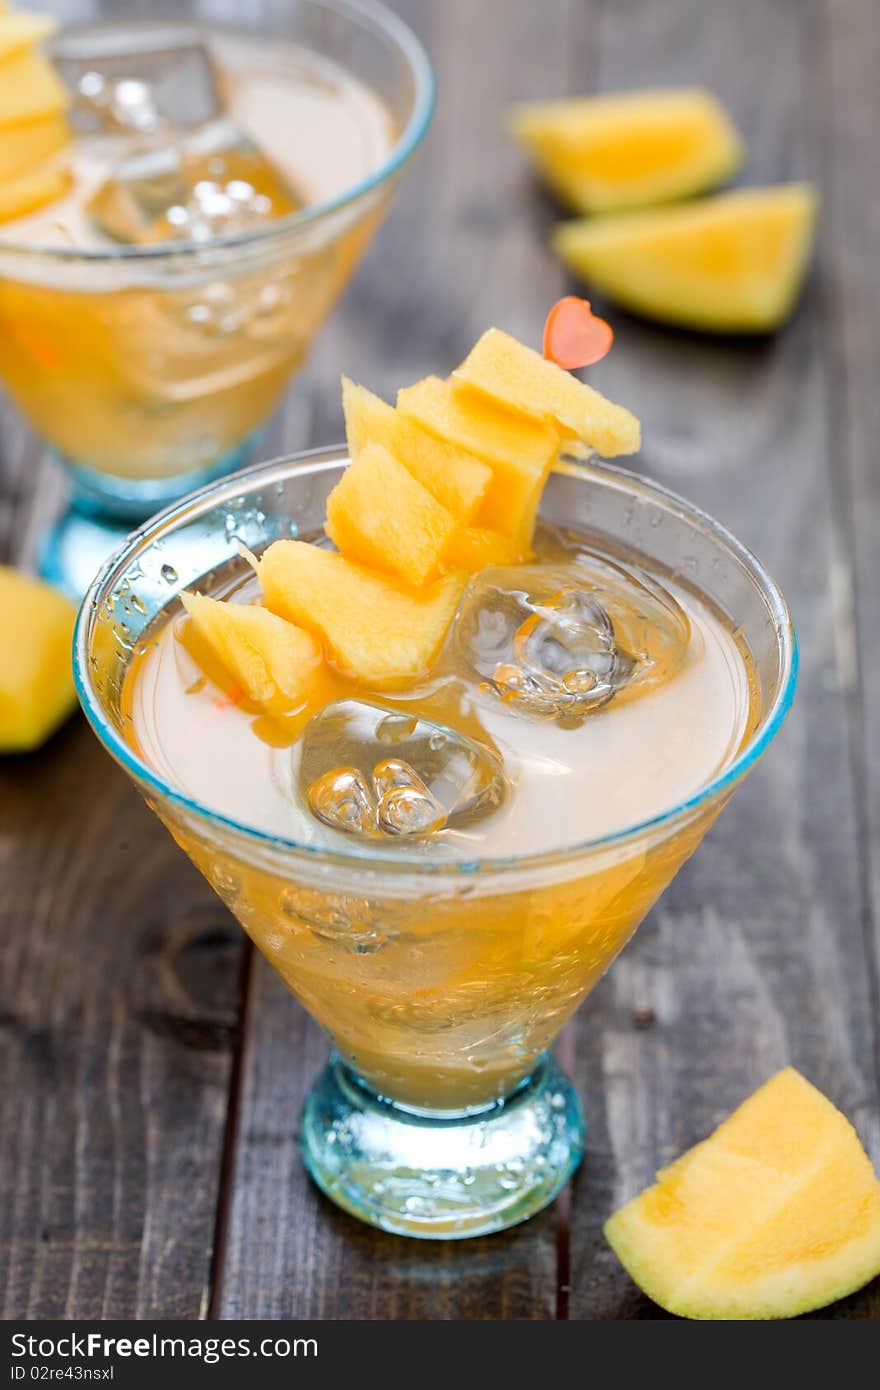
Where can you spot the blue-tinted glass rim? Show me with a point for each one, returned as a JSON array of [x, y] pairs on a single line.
[[398, 861], [405, 146]]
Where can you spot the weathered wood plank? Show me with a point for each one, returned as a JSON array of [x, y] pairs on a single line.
[[458, 252], [118, 1022], [755, 956], [850, 35]]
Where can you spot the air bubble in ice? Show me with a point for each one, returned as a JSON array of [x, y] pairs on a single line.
[[405, 805], [436, 778], [342, 797]]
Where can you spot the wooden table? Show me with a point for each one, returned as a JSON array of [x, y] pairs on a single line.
[[154, 1069]]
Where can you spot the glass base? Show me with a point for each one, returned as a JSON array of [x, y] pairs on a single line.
[[103, 510], [442, 1176], [75, 548]]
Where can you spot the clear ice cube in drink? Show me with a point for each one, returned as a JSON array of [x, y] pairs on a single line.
[[189, 172], [157, 78], [554, 642], [370, 770], [202, 186]]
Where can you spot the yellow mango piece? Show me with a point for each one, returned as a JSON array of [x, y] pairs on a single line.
[[775, 1214], [515, 376], [23, 146], [520, 450], [734, 263], [380, 515], [609, 153], [458, 479], [21, 29], [36, 674], [376, 629], [273, 663], [27, 192], [29, 88], [474, 548]]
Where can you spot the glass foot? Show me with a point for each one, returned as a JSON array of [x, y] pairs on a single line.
[[104, 510], [442, 1176], [76, 547]]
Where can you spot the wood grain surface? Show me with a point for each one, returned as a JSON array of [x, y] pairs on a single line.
[[152, 1071]]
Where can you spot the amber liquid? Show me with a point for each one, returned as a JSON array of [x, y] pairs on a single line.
[[148, 372], [442, 992]]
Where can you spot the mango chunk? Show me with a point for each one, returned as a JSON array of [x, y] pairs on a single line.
[[376, 630], [380, 515], [520, 450], [23, 146], [474, 548], [27, 192], [734, 263], [775, 1214], [609, 153], [515, 376], [36, 675], [458, 479], [29, 88], [273, 663], [21, 29]]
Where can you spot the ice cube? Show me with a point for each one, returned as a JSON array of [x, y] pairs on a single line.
[[199, 187], [138, 81], [435, 778], [188, 172], [554, 642]]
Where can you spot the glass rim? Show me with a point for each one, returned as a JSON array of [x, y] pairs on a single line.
[[403, 148], [396, 861]]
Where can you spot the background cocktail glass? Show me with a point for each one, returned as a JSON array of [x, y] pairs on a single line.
[[148, 370], [441, 984]]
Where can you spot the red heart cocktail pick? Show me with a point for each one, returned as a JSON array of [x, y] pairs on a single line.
[[574, 336]]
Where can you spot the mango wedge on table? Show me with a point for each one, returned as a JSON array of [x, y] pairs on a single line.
[[734, 263], [607, 153], [376, 629], [36, 675], [775, 1214], [382, 516], [456, 478], [269, 661]]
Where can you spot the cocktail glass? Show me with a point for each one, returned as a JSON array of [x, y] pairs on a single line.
[[148, 371], [442, 985]]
